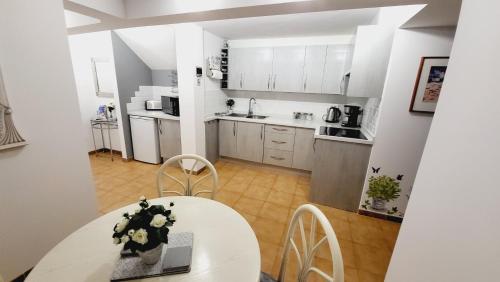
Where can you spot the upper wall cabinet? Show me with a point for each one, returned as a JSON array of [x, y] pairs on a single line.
[[303, 69], [370, 60], [313, 69], [288, 69], [235, 64], [335, 68], [257, 68]]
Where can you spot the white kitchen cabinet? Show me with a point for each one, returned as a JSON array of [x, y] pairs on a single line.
[[314, 63], [250, 68], [288, 69], [303, 153], [250, 141], [334, 70], [257, 68], [370, 60], [227, 138], [170, 138], [236, 62]]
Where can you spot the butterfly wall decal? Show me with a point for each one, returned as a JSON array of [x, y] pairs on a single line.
[[375, 170], [400, 177]]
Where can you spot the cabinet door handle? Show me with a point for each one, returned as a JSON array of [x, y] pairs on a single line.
[[278, 142], [314, 145], [274, 83], [268, 81], [241, 80], [159, 127], [279, 129], [305, 83], [277, 158], [261, 130], [234, 128]]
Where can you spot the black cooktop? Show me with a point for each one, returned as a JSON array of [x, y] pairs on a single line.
[[341, 132]]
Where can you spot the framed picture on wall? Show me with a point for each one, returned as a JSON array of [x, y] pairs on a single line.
[[428, 84]]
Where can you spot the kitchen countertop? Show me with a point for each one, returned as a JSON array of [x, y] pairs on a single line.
[[300, 123], [152, 114]]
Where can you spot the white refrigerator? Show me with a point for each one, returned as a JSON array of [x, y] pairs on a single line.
[[145, 139]]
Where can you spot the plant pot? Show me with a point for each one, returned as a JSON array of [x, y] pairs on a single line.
[[378, 204], [151, 256]]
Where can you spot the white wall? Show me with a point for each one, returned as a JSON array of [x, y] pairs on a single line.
[[46, 190], [451, 231], [291, 41], [215, 98], [401, 135], [83, 47], [189, 45], [155, 45]]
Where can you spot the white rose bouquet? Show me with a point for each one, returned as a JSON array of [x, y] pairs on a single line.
[[145, 229]]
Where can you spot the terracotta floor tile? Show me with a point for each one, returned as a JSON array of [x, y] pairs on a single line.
[[372, 259], [351, 274], [257, 192], [365, 276], [264, 180], [368, 235], [280, 198], [268, 254], [248, 205], [274, 212], [268, 230], [298, 201], [285, 186], [302, 190], [236, 186], [266, 197], [227, 197]]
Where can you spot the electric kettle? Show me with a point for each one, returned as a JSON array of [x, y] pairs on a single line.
[[332, 115]]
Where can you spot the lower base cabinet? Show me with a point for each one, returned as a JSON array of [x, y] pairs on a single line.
[[241, 140], [303, 153], [170, 138], [212, 140], [339, 170]]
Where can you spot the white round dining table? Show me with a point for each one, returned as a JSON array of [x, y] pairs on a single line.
[[224, 249]]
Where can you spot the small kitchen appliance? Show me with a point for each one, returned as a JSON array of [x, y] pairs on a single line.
[[352, 116], [333, 114], [170, 105], [153, 105]]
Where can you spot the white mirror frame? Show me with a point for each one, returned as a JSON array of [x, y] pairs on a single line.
[[98, 91]]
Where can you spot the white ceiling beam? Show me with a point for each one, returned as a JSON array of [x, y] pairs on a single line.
[[111, 22], [90, 12]]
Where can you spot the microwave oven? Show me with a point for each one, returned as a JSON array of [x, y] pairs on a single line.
[[170, 105]]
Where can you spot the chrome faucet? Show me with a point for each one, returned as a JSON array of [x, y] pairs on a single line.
[[250, 110]]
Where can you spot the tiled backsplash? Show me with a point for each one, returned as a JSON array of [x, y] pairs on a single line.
[[370, 115]]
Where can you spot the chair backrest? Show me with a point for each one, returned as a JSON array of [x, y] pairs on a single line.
[[310, 246], [186, 180]]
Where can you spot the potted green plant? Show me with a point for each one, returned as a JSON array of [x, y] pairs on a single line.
[[229, 104], [145, 231], [382, 189]]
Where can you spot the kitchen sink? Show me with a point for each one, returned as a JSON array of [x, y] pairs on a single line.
[[256, 117], [236, 115], [246, 116]]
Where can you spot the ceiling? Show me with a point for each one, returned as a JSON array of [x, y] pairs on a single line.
[[114, 14], [155, 45], [342, 22]]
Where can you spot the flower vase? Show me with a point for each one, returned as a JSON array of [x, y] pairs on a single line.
[[151, 256], [378, 204]]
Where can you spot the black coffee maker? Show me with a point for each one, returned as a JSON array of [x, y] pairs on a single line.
[[352, 116]]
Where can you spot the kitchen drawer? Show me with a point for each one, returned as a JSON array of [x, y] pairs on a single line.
[[280, 129], [279, 141], [278, 157]]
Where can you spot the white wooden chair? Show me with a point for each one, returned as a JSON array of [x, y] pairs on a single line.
[[187, 181], [310, 247]]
